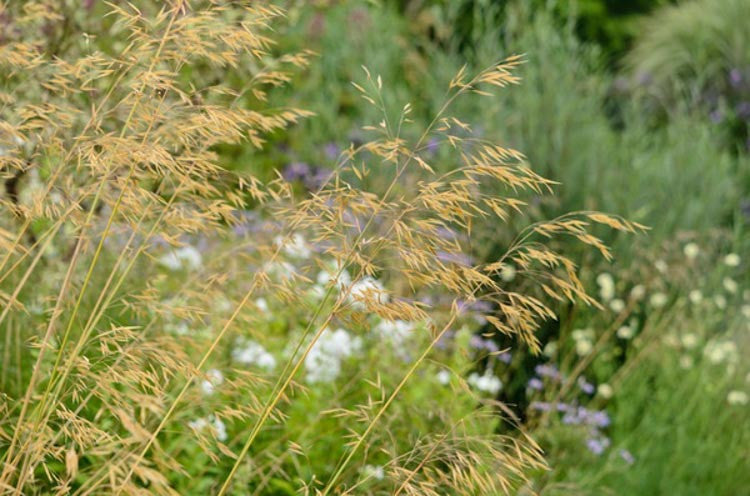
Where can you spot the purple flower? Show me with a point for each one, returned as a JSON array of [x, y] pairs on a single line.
[[627, 456], [586, 387], [541, 406], [735, 77], [644, 78], [743, 110], [247, 222], [535, 383], [583, 416], [481, 306], [571, 418], [332, 151], [317, 179], [427, 300], [505, 357], [432, 146], [546, 370], [476, 342], [745, 203], [445, 339], [598, 418], [202, 244], [159, 242], [457, 258], [296, 171], [446, 233], [597, 446], [716, 116], [563, 407]]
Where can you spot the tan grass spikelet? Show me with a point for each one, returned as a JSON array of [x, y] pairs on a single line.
[[127, 146]]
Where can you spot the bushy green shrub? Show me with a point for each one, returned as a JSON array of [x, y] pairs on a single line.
[[695, 53]]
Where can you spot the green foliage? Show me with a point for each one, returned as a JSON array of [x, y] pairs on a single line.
[[695, 54], [691, 45], [610, 24]]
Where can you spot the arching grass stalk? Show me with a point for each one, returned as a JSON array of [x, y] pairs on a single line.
[[104, 235], [276, 396], [361, 438], [106, 296]]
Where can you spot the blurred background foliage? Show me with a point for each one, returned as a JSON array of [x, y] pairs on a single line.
[[579, 116]]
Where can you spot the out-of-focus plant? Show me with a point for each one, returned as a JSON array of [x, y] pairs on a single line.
[[463, 24], [696, 51], [666, 352]]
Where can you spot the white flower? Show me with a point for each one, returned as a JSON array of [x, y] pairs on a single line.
[[249, 352], [638, 292], [375, 471], [625, 332], [691, 250], [217, 426], [732, 260], [721, 351], [323, 362], [198, 424], [689, 340], [617, 305], [33, 190], [737, 398], [695, 296], [262, 305], [186, 257], [317, 291], [720, 302], [443, 377], [396, 331], [672, 340], [36, 308], [606, 286], [730, 285], [550, 349], [220, 428], [180, 329], [213, 379], [507, 273], [322, 368], [605, 391], [296, 247], [365, 289], [658, 300], [342, 276], [223, 305], [486, 383], [282, 270], [583, 334], [583, 347], [661, 266]]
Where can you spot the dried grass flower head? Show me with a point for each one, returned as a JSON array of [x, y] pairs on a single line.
[[155, 267]]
